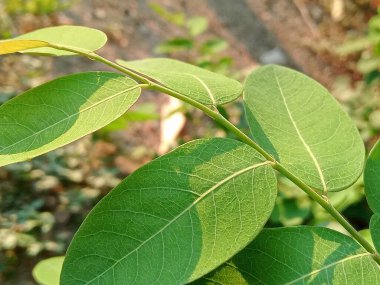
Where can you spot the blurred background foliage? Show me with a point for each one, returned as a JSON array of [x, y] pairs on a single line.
[[43, 201]]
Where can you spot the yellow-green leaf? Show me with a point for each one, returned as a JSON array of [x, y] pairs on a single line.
[[12, 46], [47, 271], [74, 37]]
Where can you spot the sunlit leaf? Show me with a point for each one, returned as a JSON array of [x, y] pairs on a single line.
[[61, 111], [176, 218], [12, 46], [46, 41], [296, 120], [47, 271], [298, 255], [199, 84]]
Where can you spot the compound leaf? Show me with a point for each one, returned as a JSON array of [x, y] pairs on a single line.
[[47, 40], [176, 218], [296, 120], [298, 255], [47, 271], [61, 111], [194, 82]]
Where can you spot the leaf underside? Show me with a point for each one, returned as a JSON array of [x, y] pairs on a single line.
[[194, 82], [41, 41], [296, 120], [47, 271], [61, 111], [298, 255], [176, 218]]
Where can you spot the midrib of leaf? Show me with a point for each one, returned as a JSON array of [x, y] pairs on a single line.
[[194, 203], [328, 266], [67, 118], [300, 136], [206, 88]]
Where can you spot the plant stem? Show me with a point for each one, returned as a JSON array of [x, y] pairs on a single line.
[[94, 56], [329, 208], [243, 137]]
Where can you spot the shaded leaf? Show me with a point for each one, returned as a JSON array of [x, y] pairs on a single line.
[[61, 111], [372, 179], [297, 121], [375, 230], [298, 255], [42, 41], [199, 84], [47, 271], [176, 218]]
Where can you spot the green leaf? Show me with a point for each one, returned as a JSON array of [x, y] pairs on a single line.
[[199, 84], [173, 18], [214, 46], [372, 191], [298, 255], [61, 111], [197, 25], [174, 45], [44, 41], [354, 46], [47, 271], [372, 179], [176, 218], [375, 230], [297, 121]]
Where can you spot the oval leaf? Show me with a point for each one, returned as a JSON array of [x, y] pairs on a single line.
[[372, 179], [297, 121], [176, 218], [298, 255], [194, 82], [42, 41], [47, 271], [61, 111]]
